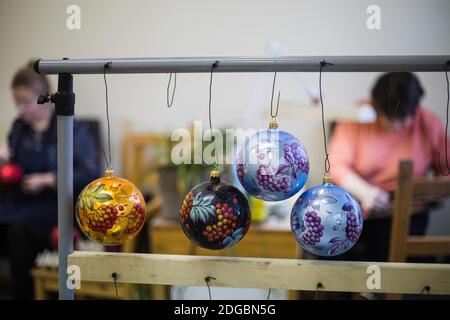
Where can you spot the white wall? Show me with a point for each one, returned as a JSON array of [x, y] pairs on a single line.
[[206, 27]]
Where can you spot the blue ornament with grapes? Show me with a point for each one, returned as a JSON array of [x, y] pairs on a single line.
[[272, 165], [326, 220]]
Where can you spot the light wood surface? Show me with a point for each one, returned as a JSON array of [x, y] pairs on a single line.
[[402, 245], [46, 283], [292, 274]]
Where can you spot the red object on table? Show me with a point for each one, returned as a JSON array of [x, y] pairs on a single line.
[[54, 237], [10, 175]]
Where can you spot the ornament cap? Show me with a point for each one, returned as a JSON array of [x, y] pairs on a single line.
[[327, 178], [273, 124], [215, 176], [109, 172]]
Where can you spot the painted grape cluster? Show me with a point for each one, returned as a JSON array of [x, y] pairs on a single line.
[[215, 216], [110, 210], [352, 229], [293, 154], [102, 218], [313, 229], [271, 182]]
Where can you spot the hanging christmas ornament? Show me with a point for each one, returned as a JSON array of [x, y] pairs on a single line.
[[326, 220], [215, 215], [110, 210], [272, 165]]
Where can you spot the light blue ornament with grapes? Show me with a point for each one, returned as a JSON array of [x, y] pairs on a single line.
[[326, 220], [272, 165]]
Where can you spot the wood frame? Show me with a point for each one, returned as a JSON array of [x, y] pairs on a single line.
[[402, 245], [291, 274]]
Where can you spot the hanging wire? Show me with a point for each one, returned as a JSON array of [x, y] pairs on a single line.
[[271, 100], [207, 280], [213, 66], [318, 287], [268, 294], [426, 290], [327, 160], [170, 101], [443, 172], [107, 160], [115, 276]]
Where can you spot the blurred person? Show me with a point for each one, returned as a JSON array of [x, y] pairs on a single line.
[[365, 158], [29, 212]]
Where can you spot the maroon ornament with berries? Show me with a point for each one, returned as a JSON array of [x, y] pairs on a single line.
[[215, 215]]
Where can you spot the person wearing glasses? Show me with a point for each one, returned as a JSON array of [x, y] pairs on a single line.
[[28, 212]]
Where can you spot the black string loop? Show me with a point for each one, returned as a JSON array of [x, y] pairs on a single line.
[[107, 159], [213, 66], [170, 101], [327, 160]]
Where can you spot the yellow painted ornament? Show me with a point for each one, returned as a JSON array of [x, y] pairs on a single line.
[[110, 210]]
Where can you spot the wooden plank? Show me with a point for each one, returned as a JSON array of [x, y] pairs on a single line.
[[47, 282], [400, 216], [291, 274], [434, 188], [261, 241], [428, 246]]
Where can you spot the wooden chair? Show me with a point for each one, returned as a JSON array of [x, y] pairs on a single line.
[[402, 245]]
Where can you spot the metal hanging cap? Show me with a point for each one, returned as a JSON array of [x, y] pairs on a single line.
[[109, 172], [327, 178], [214, 174], [273, 124]]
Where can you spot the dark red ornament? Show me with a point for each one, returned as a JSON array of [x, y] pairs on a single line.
[[215, 215]]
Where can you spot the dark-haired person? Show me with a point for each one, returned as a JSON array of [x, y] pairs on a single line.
[[28, 213], [365, 157]]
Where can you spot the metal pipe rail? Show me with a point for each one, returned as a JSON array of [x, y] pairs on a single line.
[[245, 64]]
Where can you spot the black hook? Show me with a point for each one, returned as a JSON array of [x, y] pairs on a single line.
[[271, 100], [170, 102], [319, 286], [426, 290], [114, 275], [207, 280]]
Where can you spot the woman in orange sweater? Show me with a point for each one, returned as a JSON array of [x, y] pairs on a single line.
[[365, 157]]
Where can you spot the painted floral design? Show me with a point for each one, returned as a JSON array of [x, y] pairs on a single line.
[[326, 220], [215, 220], [281, 168], [110, 210]]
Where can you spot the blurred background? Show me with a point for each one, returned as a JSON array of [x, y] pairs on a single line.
[[176, 28]]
